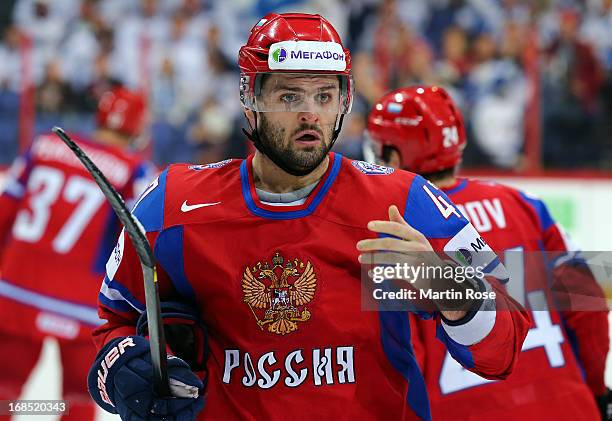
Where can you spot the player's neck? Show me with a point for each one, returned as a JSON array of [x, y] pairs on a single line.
[[110, 138], [269, 177], [445, 182]]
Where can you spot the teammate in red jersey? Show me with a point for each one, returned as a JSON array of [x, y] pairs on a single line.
[[267, 249], [420, 129], [56, 231]]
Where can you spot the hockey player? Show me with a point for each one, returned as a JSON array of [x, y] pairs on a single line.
[[267, 249], [420, 129], [56, 231]]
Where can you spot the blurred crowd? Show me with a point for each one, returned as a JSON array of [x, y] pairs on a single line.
[[500, 59]]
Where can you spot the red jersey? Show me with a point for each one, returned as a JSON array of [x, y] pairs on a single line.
[[279, 289], [547, 382], [56, 231]]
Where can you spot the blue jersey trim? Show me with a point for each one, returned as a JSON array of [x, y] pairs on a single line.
[[576, 261], [125, 293], [150, 208], [544, 217], [574, 344], [142, 170], [422, 214], [14, 190], [118, 305], [269, 214], [395, 338], [492, 265], [15, 185], [462, 185], [75, 311], [459, 352], [169, 254]]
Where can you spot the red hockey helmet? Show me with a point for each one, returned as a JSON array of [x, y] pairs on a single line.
[[293, 43], [423, 124], [122, 110]]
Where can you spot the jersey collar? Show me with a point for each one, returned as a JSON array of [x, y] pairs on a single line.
[[287, 212], [457, 186]]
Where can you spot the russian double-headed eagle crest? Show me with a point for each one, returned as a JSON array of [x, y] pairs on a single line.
[[283, 289]]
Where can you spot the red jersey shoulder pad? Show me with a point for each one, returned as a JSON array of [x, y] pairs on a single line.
[[175, 197], [367, 187], [373, 182]]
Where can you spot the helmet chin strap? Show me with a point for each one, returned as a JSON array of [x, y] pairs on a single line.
[[274, 157]]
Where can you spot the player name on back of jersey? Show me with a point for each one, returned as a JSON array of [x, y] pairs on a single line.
[[49, 148], [484, 214]]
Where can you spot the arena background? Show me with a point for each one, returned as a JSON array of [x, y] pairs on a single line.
[[533, 78]]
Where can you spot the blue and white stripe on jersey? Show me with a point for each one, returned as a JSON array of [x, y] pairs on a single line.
[[112, 293], [15, 185], [75, 311], [116, 296]]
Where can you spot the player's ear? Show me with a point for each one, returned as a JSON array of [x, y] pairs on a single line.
[[250, 116], [394, 159]]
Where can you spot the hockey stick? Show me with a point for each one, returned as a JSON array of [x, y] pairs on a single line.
[[136, 233]]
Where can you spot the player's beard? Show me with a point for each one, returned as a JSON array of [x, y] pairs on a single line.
[[303, 160]]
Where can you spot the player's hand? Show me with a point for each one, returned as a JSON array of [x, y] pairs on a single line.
[[185, 332], [121, 382], [407, 246], [399, 244], [407, 238]]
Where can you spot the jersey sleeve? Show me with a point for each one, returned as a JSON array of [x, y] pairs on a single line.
[[13, 192], [121, 300], [417, 339], [487, 340], [587, 330]]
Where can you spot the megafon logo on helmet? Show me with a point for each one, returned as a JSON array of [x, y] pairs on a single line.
[[279, 55], [307, 55]]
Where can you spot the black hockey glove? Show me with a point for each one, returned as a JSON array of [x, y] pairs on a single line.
[[185, 333]]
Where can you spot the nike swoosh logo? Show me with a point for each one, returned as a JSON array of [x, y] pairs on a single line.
[[186, 208]]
